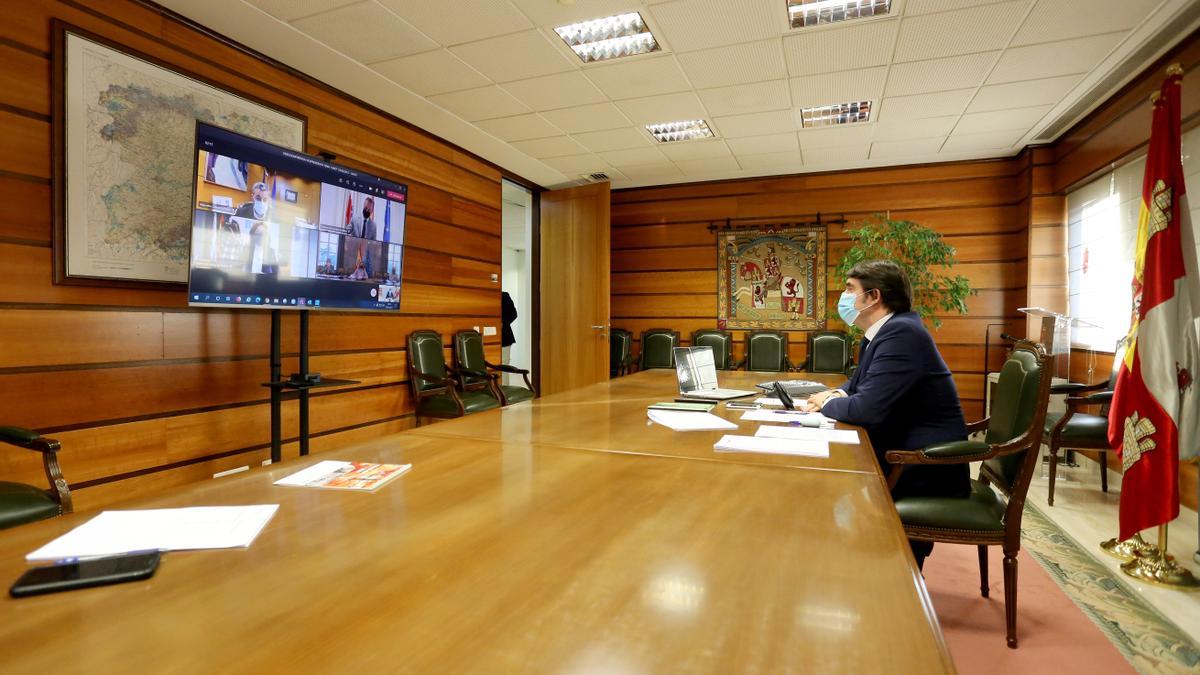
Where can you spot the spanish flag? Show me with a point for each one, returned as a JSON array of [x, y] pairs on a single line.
[[1154, 419]]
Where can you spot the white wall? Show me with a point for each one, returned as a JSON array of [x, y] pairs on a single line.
[[517, 273]]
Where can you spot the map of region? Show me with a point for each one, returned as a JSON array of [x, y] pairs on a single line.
[[136, 147]]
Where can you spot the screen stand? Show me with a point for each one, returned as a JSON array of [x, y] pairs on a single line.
[[300, 382]]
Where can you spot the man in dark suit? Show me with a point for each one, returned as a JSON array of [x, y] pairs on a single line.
[[902, 392]]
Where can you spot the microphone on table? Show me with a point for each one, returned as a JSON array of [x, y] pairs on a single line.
[[1010, 338]]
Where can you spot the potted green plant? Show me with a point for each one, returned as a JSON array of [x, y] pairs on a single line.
[[921, 252]]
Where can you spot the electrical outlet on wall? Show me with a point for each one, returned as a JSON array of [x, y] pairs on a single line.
[[489, 330], [495, 278], [476, 328]]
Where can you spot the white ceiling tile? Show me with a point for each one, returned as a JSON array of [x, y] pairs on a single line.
[[735, 64], [555, 146], [966, 31], [613, 139], [901, 129], [698, 149], [477, 104], [429, 73], [747, 98], [1056, 58], [294, 9], [518, 128], [772, 161], [1047, 91], [924, 105], [918, 7], [1062, 19], [828, 137], [632, 157], [756, 145], [555, 91], [955, 72], [755, 124], [573, 164], [649, 173], [992, 140], [707, 166], [365, 32], [516, 56], [689, 25], [906, 149], [837, 155], [669, 108], [554, 13], [642, 77], [844, 47], [461, 20], [1000, 120], [587, 118], [865, 84]]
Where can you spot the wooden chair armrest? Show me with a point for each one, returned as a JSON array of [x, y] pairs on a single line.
[[1073, 388], [26, 438], [978, 425], [505, 368], [957, 452], [478, 373], [445, 381]]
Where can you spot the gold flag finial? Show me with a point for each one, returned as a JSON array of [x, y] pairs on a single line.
[[1174, 69], [1154, 98]]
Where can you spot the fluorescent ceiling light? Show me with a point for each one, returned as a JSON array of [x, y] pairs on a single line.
[[609, 38], [838, 113], [803, 13], [685, 130]]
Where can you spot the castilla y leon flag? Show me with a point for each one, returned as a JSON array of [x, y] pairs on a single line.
[[1154, 420]]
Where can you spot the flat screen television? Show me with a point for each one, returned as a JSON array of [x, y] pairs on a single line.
[[274, 228]]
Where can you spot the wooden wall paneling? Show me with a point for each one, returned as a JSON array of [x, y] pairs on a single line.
[[666, 259], [25, 145], [22, 81], [63, 337], [685, 282], [24, 211]]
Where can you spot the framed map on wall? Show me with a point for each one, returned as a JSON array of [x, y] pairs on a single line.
[[771, 276], [125, 130]]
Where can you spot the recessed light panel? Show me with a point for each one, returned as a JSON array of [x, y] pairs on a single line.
[[803, 13], [685, 130], [609, 38], [838, 113]]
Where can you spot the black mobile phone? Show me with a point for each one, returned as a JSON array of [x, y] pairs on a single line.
[[784, 397], [85, 573]]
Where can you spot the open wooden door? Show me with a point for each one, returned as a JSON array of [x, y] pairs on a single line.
[[574, 287]]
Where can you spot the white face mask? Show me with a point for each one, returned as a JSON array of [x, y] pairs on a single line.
[[260, 208]]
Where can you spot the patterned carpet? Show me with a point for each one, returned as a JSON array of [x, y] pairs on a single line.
[[1150, 642]]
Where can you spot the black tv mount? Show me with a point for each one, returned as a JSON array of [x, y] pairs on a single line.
[[758, 223]]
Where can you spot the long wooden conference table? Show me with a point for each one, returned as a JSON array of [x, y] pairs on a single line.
[[563, 535]]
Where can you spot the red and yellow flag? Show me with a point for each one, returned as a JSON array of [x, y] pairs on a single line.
[[1153, 419]]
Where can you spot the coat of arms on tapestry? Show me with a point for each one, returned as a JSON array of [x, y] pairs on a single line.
[[771, 276]]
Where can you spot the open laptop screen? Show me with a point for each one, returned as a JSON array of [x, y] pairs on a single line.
[[696, 369]]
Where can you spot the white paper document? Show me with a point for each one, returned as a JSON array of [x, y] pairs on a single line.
[[115, 532], [786, 417], [762, 400], [774, 446], [689, 421], [849, 436]]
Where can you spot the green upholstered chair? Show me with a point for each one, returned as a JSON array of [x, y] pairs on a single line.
[[658, 348], [721, 343], [475, 373], [766, 350], [828, 352], [1009, 452], [433, 385], [21, 503], [620, 352], [1078, 430]]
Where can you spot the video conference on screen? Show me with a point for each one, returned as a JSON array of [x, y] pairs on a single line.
[[252, 220]]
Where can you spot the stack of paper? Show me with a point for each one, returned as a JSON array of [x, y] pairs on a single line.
[[689, 421], [362, 476], [848, 436], [116, 532], [774, 446], [808, 419]]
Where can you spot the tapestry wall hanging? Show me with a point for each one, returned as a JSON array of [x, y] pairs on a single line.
[[771, 276]]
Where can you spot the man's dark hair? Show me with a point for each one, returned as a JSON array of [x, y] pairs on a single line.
[[895, 291]]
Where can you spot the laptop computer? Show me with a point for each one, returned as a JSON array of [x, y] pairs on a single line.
[[698, 375]]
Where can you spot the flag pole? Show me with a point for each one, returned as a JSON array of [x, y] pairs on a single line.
[[1161, 569]]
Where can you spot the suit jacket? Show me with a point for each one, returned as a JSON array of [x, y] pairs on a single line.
[[904, 396]]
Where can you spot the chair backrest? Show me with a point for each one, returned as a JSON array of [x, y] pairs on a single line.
[[468, 355], [425, 354], [721, 343], [658, 348], [1019, 406], [620, 349], [828, 351], [766, 350]]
